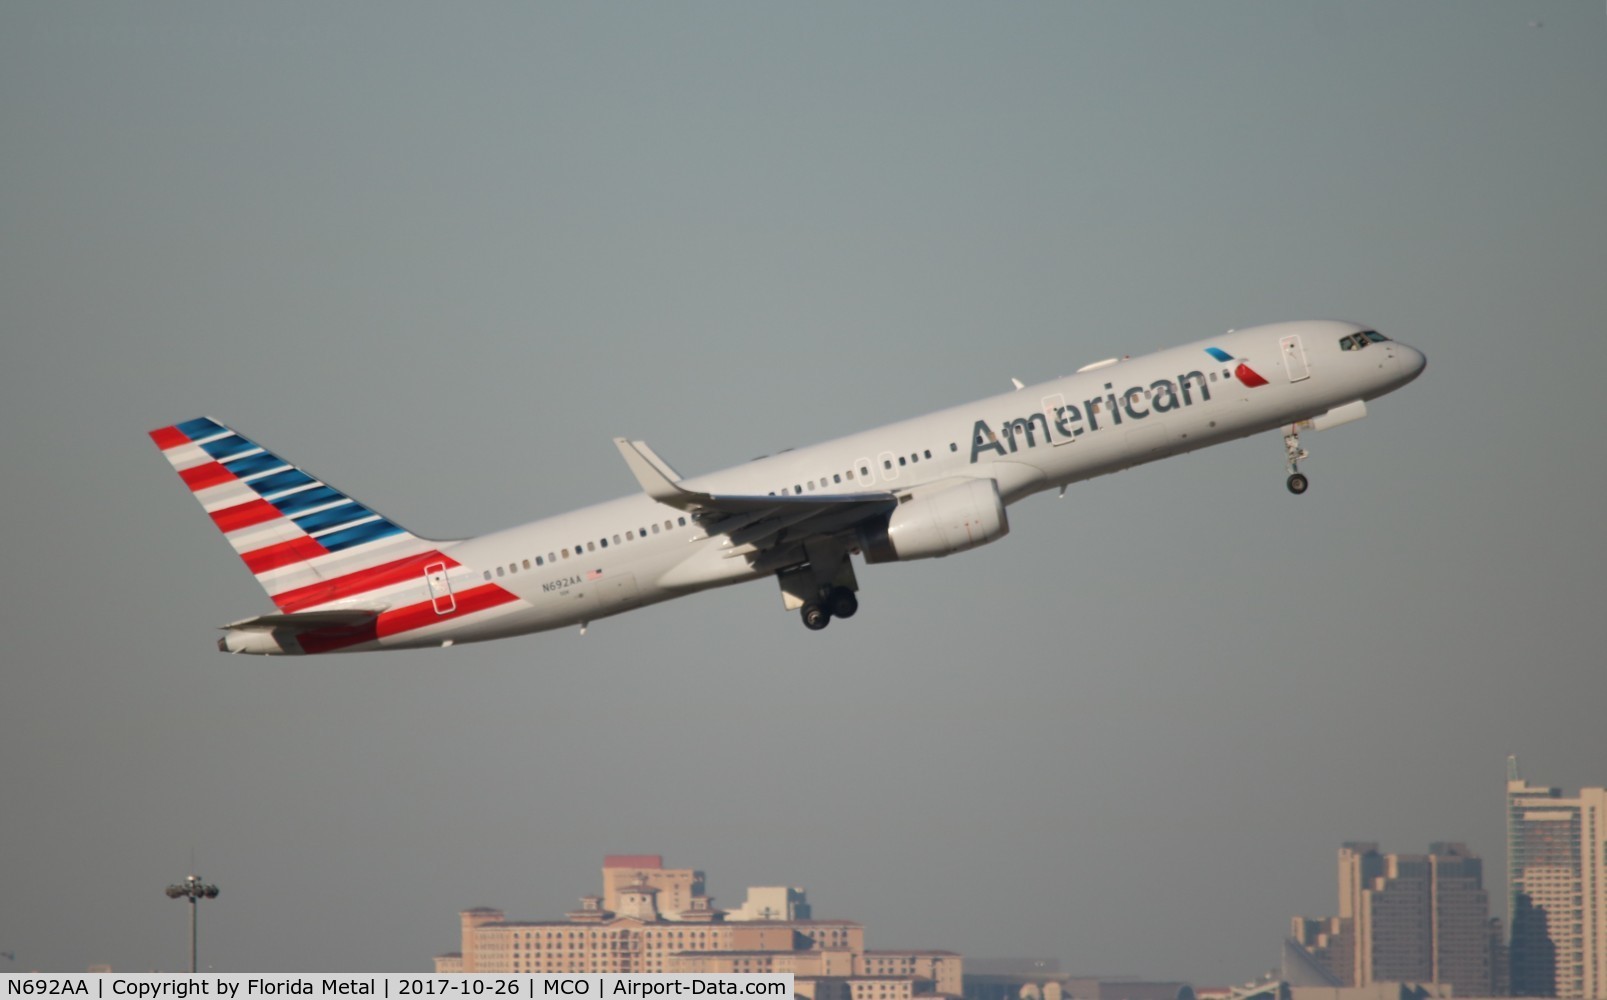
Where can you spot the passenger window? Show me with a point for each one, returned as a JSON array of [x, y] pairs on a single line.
[[796, 489], [616, 539], [927, 453], [566, 553], [837, 477], [901, 460], [655, 529], [953, 446], [539, 561], [605, 543], [591, 547], [488, 574], [527, 564], [499, 571], [864, 470], [683, 522], [887, 463], [551, 557], [811, 486]]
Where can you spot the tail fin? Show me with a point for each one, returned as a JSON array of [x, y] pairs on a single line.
[[306, 542]]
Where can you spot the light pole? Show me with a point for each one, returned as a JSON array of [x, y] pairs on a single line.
[[194, 889]]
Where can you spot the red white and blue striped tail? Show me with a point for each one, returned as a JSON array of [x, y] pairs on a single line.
[[307, 543]]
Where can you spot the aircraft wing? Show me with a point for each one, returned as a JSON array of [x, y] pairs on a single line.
[[752, 522]]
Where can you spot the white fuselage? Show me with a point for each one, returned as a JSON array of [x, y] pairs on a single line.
[[600, 560]]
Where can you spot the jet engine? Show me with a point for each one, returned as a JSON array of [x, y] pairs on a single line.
[[936, 523]]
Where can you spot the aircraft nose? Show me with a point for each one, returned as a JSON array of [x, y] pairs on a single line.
[[1412, 361]]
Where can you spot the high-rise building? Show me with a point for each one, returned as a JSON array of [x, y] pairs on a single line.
[[1557, 889], [656, 919], [1407, 918]]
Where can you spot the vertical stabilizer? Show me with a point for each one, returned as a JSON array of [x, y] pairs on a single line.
[[307, 543]]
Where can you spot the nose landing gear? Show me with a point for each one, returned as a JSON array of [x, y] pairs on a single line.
[[1297, 481]]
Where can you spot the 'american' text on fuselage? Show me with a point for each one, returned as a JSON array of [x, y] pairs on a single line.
[[1161, 397]]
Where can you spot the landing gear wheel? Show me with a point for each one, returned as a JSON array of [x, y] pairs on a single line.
[[1294, 455], [842, 602], [815, 617]]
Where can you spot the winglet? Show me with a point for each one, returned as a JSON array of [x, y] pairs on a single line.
[[655, 475]]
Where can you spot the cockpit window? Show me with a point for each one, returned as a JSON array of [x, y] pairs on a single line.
[[1357, 341]]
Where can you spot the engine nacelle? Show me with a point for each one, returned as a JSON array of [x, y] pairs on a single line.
[[930, 525]]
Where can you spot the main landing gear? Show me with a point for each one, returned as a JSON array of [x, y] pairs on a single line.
[[838, 602], [1297, 481], [821, 588]]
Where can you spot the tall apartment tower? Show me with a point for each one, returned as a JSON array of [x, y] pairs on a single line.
[[1557, 889], [1406, 918]]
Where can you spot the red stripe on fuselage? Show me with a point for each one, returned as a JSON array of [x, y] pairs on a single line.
[[1249, 376], [168, 437], [244, 515], [399, 620], [274, 556], [359, 582], [199, 477]]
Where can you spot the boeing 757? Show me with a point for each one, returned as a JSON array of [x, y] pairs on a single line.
[[345, 578]]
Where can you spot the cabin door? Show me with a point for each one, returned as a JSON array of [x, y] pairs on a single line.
[[440, 588], [1294, 359]]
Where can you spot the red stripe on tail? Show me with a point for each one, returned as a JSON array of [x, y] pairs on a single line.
[[168, 437], [284, 554], [199, 477], [244, 515]]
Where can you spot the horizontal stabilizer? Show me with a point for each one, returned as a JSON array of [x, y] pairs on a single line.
[[308, 620]]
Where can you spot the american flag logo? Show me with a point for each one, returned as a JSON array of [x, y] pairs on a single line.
[[594, 574]]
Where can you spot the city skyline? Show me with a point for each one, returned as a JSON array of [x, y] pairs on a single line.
[[443, 255]]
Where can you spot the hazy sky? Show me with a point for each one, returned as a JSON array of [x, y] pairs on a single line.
[[440, 254]]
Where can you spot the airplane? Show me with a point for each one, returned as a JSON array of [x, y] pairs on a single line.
[[345, 578]]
